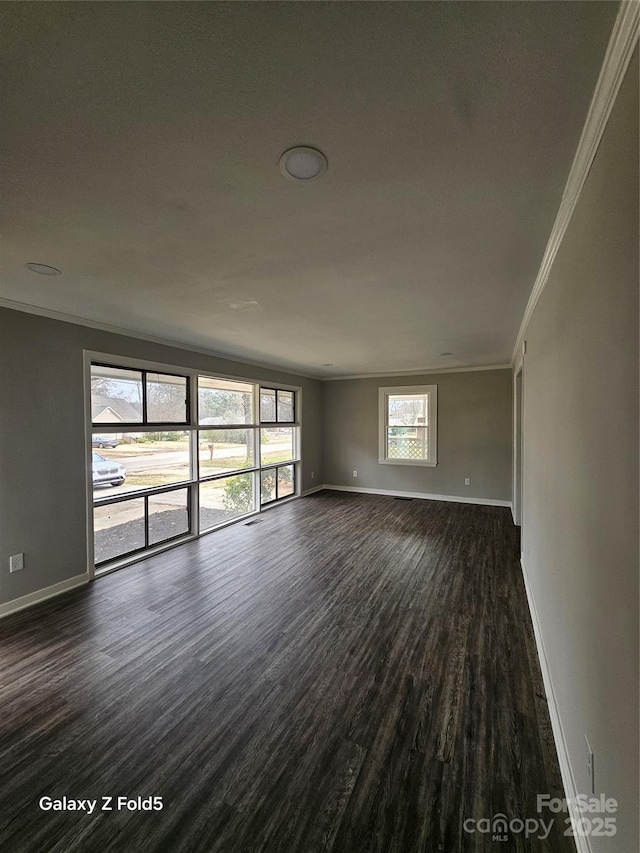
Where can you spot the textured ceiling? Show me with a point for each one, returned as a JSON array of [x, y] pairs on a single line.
[[140, 146]]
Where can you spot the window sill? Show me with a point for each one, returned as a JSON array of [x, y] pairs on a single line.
[[422, 463]]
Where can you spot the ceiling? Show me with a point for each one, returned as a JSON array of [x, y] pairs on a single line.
[[140, 149]]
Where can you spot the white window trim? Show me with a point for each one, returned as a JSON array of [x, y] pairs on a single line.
[[383, 394]]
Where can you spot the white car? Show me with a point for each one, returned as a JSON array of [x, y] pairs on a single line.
[[106, 471]]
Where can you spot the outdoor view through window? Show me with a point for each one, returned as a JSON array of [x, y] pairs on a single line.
[[176, 455], [408, 425]]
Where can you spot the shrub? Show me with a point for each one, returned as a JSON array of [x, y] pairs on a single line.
[[238, 494]]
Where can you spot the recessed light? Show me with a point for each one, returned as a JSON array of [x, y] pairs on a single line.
[[303, 164], [43, 269], [446, 353]]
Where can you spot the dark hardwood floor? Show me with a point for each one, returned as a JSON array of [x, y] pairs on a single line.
[[351, 673]]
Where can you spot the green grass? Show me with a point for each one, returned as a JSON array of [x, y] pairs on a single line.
[[122, 451], [231, 462], [149, 480], [273, 458]]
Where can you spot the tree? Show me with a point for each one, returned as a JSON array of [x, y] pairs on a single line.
[[408, 411], [226, 407], [166, 402]]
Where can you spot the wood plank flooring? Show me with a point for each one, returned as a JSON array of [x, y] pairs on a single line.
[[351, 674]]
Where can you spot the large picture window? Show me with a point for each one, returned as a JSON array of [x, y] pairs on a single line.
[[408, 425], [177, 454]]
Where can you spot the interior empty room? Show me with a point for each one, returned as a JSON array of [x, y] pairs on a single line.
[[319, 427]]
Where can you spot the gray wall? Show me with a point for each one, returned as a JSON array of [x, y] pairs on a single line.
[[474, 435], [580, 507], [42, 444]]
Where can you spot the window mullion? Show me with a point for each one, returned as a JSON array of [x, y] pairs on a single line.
[[146, 521], [144, 397]]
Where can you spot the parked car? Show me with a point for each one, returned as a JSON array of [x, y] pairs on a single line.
[[107, 471], [102, 441]]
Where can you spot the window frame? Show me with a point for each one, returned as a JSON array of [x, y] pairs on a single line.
[[148, 547], [294, 426], [276, 421], [431, 391], [276, 468], [144, 371], [193, 428]]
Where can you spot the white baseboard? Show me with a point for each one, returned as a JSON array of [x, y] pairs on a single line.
[[43, 594], [311, 491], [582, 842], [420, 495]]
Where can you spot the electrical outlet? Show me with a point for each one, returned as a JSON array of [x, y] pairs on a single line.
[[590, 768], [467, 481], [16, 563], [355, 473]]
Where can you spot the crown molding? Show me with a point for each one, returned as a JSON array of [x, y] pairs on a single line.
[[423, 371], [622, 42], [154, 339], [51, 314]]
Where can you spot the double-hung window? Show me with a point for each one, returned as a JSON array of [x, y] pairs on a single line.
[[408, 432]]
